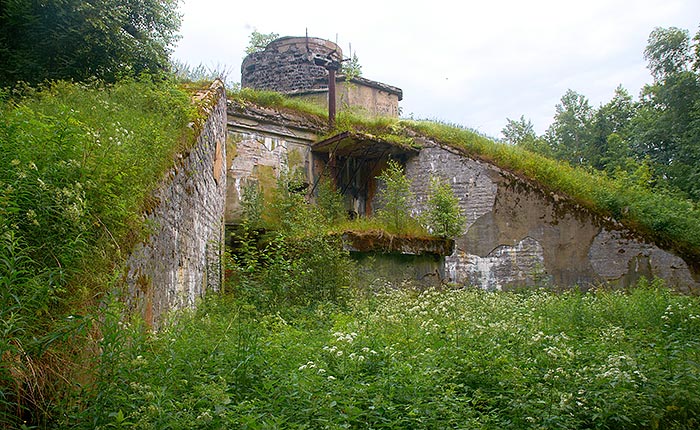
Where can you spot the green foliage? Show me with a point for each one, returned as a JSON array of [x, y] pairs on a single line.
[[570, 133], [659, 214], [444, 217], [437, 359], [667, 51], [280, 101], [258, 41], [253, 204], [201, 73], [76, 166], [297, 262], [330, 202], [395, 198], [352, 67], [81, 40], [661, 129]]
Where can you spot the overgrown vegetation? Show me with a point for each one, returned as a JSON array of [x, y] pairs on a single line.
[[285, 255], [395, 198], [299, 340], [85, 41], [657, 214], [402, 359], [443, 215], [659, 133], [77, 164]]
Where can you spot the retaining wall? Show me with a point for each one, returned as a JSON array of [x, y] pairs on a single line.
[[181, 260]]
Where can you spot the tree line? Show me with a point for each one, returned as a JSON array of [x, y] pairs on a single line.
[[654, 141]]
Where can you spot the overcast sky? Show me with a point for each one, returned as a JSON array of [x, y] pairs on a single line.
[[473, 63]]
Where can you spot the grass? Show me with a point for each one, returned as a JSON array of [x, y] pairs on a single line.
[[77, 164], [409, 360]]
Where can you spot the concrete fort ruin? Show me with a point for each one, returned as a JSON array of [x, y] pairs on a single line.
[[517, 235]]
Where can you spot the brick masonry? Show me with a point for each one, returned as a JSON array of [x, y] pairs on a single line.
[[181, 260]]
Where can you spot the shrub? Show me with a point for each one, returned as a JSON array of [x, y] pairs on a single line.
[[395, 198], [444, 217]]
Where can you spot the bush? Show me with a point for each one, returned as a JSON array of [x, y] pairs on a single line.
[[444, 217], [395, 198]]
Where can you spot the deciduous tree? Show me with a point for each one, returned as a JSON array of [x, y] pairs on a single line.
[[80, 40]]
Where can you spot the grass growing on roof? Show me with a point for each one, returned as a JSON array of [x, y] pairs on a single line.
[[671, 221]]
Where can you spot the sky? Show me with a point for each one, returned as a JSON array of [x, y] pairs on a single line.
[[473, 63]]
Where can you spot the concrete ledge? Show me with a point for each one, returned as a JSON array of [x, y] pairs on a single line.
[[379, 241]]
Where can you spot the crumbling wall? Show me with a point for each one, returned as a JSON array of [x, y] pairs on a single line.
[[518, 235], [181, 260], [262, 146], [287, 65]]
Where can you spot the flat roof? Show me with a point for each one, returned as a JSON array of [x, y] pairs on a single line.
[[361, 145]]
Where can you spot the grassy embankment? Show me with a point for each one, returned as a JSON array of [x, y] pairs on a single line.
[[77, 163]]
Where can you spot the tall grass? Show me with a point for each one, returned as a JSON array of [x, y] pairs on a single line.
[[77, 162], [407, 360]]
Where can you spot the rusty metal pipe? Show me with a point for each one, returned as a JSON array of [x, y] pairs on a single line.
[[331, 97]]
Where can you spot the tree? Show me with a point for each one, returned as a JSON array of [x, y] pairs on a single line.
[[518, 132], [80, 40], [522, 134], [395, 197], [352, 67], [667, 51], [612, 123], [570, 133], [667, 126], [444, 217], [258, 41]]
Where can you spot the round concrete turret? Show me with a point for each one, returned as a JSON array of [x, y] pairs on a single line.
[[291, 64]]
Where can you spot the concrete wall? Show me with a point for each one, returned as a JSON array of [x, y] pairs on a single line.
[[261, 146], [181, 260], [287, 65], [358, 96], [517, 235], [370, 99]]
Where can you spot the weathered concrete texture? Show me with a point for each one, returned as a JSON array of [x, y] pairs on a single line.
[[517, 235], [380, 269], [181, 260], [358, 95], [469, 179], [505, 266], [619, 258], [382, 242], [264, 143], [287, 65]]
